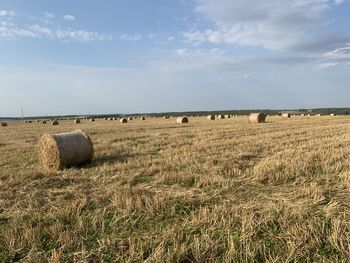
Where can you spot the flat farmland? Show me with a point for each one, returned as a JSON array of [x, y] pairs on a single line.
[[207, 191]]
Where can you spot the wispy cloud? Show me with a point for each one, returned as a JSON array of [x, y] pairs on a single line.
[[11, 29], [130, 37], [49, 15], [276, 25], [68, 18]]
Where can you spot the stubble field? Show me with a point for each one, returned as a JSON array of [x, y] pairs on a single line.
[[207, 191]]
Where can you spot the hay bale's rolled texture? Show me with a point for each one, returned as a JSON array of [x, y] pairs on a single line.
[[257, 117], [77, 121], [55, 123], [142, 118], [123, 120], [211, 117], [63, 150], [181, 120], [3, 124], [286, 115]]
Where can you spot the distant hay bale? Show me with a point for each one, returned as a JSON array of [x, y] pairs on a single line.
[[257, 117], [333, 115], [76, 121], [105, 118], [3, 124], [44, 122], [123, 120], [181, 120], [227, 116], [92, 120], [111, 119], [221, 117], [55, 123], [286, 115], [166, 117], [211, 117], [142, 118], [63, 150]]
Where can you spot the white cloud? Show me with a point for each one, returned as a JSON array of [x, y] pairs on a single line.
[[68, 18], [4, 13], [49, 15], [132, 38], [297, 25]]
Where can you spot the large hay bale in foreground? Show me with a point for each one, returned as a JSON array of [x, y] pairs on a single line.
[[211, 117], [286, 115], [55, 123], [62, 150], [181, 120], [123, 120], [3, 124], [257, 117]]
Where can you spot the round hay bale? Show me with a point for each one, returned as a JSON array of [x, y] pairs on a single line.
[[77, 121], [3, 124], [130, 119], [58, 151], [221, 117], [166, 117], [227, 116], [142, 118], [92, 120], [123, 120], [257, 117], [286, 115], [55, 123], [44, 122], [181, 120], [105, 119], [211, 117], [333, 115]]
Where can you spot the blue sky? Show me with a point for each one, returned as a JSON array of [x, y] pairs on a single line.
[[79, 57]]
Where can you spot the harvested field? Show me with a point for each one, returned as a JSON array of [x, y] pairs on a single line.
[[223, 191]]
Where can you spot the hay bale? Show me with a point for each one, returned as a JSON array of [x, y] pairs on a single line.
[[257, 117], [44, 122], [55, 123], [221, 117], [166, 117], [286, 115], [181, 120], [62, 150], [76, 121], [3, 124], [333, 115], [211, 117], [92, 120], [123, 120], [142, 118], [227, 116]]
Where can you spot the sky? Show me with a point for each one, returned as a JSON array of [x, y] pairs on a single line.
[[63, 57]]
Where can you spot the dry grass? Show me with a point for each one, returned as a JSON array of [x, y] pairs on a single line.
[[221, 191]]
